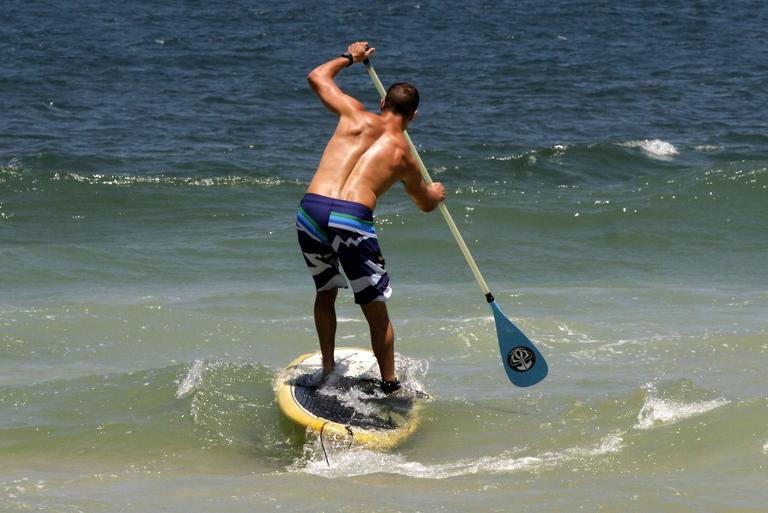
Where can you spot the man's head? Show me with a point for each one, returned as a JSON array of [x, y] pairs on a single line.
[[402, 99]]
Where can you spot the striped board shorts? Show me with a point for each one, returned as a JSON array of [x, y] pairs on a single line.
[[333, 231]]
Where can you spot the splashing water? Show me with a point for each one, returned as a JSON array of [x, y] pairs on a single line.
[[348, 461], [654, 148], [657, 411]]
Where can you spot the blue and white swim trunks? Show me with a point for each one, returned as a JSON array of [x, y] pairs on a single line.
[[333, 231]]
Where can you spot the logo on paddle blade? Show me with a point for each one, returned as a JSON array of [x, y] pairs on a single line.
[[521, 359]]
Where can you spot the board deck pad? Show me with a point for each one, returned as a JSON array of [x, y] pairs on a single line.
[[349, 401], [336, 402]]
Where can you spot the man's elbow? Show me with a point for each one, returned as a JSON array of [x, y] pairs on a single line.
[[314, 79]]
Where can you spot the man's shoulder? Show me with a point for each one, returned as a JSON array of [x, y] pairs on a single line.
[[361, 112], [401, 153], [395, 143], [402, 143]]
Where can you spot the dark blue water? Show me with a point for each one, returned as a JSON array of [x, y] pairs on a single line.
[[150, 88]]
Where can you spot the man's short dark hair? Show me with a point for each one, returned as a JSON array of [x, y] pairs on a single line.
[[402, 98]]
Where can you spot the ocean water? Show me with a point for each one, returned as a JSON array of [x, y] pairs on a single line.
[[606, 162]]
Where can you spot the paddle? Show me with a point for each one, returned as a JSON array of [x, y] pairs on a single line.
[[524, 364]]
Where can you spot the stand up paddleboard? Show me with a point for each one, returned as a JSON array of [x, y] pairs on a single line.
[[348, 404]]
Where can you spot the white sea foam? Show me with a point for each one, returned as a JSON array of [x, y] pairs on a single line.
[[191, 381], [575, 336], [357, 462], [126, 180], [654, 148], [13, 166], [344, 320], [656, 411]]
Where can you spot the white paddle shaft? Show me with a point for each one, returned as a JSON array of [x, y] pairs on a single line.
[[442, 207]]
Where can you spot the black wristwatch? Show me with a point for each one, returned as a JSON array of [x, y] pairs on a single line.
[[348, 55]]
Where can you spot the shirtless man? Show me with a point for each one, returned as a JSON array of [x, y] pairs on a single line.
[[366, 155]]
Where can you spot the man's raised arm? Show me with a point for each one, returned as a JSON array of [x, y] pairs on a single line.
[[321, 79]]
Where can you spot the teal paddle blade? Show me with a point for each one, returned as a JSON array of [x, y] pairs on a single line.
[[524, 364]]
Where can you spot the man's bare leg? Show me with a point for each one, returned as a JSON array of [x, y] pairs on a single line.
[[325, 324], [382, 338]]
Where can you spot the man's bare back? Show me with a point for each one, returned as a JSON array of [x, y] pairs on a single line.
[[367, 153]]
